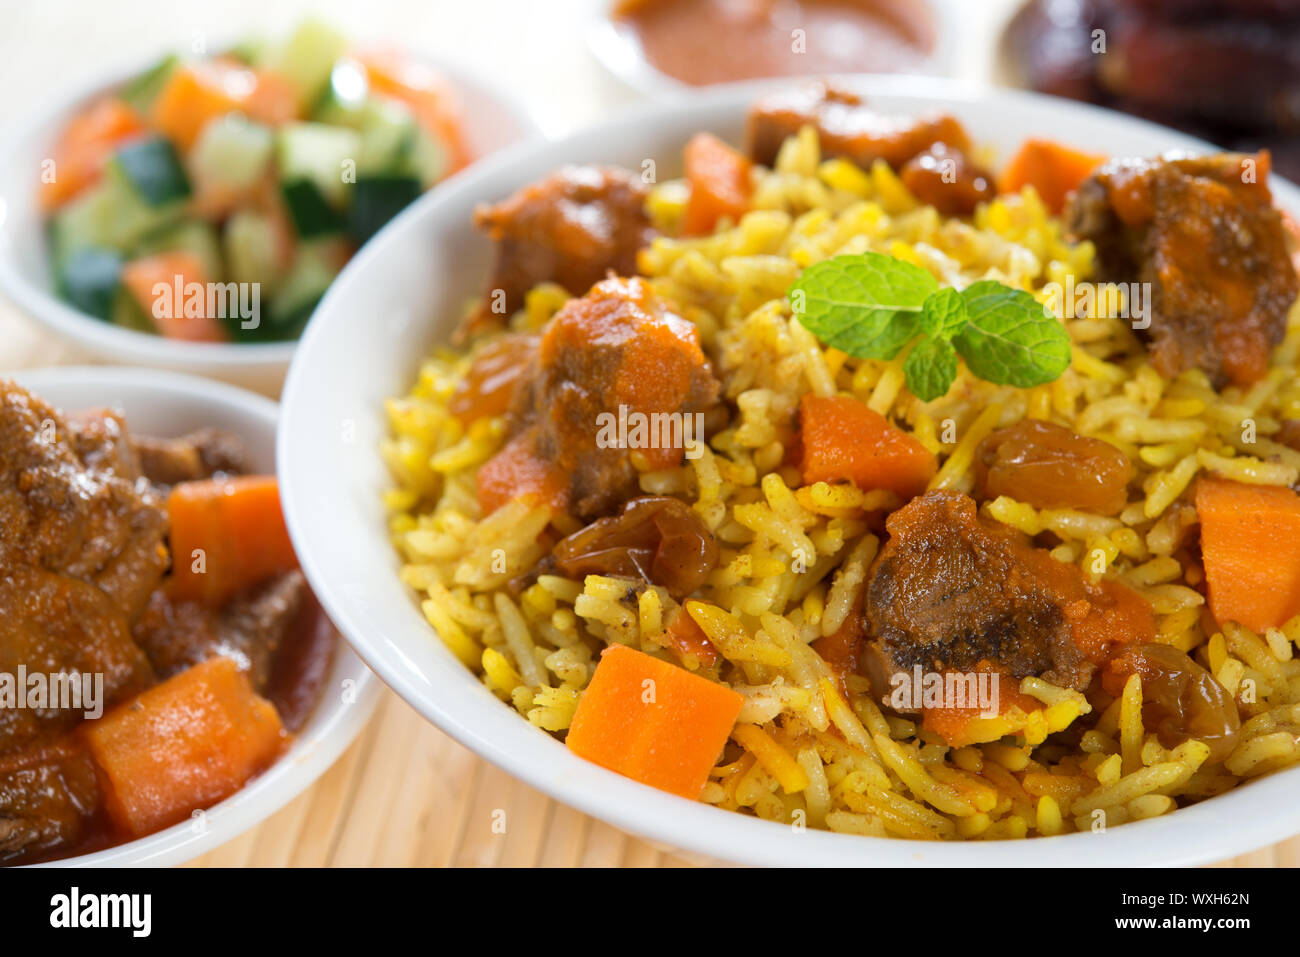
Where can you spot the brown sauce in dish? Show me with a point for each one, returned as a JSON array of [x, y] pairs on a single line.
[[717, 41]]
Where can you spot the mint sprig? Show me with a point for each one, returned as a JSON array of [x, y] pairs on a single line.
[[870, 306]]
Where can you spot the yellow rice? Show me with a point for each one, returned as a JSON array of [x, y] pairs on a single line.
[[794, 559]]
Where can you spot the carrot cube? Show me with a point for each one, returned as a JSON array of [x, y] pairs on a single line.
[[653, 722], [844, 440]]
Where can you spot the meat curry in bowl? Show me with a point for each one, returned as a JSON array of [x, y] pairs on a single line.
[[159, 648]]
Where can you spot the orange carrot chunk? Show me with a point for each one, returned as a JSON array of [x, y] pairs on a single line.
[[183, 745], [426, 94], [227, 534], [719, 179], [1250, 543], [1052, 169], [172, 290], [85, 146], [844, 440], [653, 722]]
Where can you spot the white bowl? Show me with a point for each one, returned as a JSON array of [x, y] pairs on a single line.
[[619, 51], [408, 285], [493, 119], [167, 404]]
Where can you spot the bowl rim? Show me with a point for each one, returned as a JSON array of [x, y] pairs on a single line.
[[101, 338], [1196, 834], [334, 726]]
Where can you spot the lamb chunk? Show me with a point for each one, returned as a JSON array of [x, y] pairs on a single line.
[[48, 796], [198, 455], [572, 228], [948, 592], [846, 127], [617, 350], [250, 628], [92, 518], [1203, 232]]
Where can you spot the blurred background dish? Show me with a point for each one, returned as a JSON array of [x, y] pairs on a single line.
[[1227, 71], [198, 173]]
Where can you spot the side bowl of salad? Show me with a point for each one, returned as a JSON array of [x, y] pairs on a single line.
[[189, 214]]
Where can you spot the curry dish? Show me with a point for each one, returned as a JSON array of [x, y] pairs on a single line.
[[856, 480], [155, 578]]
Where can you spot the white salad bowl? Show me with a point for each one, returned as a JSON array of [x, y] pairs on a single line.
[[410, 285], [493, 119], [167, 404]]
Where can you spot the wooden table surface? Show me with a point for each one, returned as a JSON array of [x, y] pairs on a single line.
[[404, 793]]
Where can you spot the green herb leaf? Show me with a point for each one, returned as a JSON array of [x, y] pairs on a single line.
[[1010, 338], [867, 305], [944, 314], [930, 368]]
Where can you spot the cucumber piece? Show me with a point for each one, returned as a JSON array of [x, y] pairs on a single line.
[[388, 132], [143, 89], [426, 158], [318, 154], [152, 169], [313, 270], [109, 215], [90, 279], [310, 211], [251, 253], [378, 199], [129, 314], [344, 95], [191, 236], [232, 153], [250, 51], [307, 58]]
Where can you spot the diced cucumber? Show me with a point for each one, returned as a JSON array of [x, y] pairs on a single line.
[[378, 199], [344, 96], [387, 132], [129, 314], [426, 159], [152, 169], [89, 279], [232, 153], [251, 51], [110, 215], [319, 154], [191, 236], [313, 270], [307, 58], [251, 251], [142, 90], [310, 211]]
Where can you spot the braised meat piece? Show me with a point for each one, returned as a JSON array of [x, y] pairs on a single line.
[[190, 458], [932, 151], [616, 372], [1203, 232], [249, 628], [48, 796], [573, 228], [92, 518], [949, 592]]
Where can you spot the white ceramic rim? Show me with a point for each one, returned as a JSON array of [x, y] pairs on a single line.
[[1250, 816], [129, 346], [330, 730]]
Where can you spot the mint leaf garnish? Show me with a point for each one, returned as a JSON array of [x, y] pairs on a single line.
[[944, 314], [1010, 338], [867, 305], [870, 306], [930, 368]]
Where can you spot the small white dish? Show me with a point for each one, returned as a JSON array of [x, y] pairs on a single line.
[[411, 281], [493, 119], [619, 51], [167, 404]]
